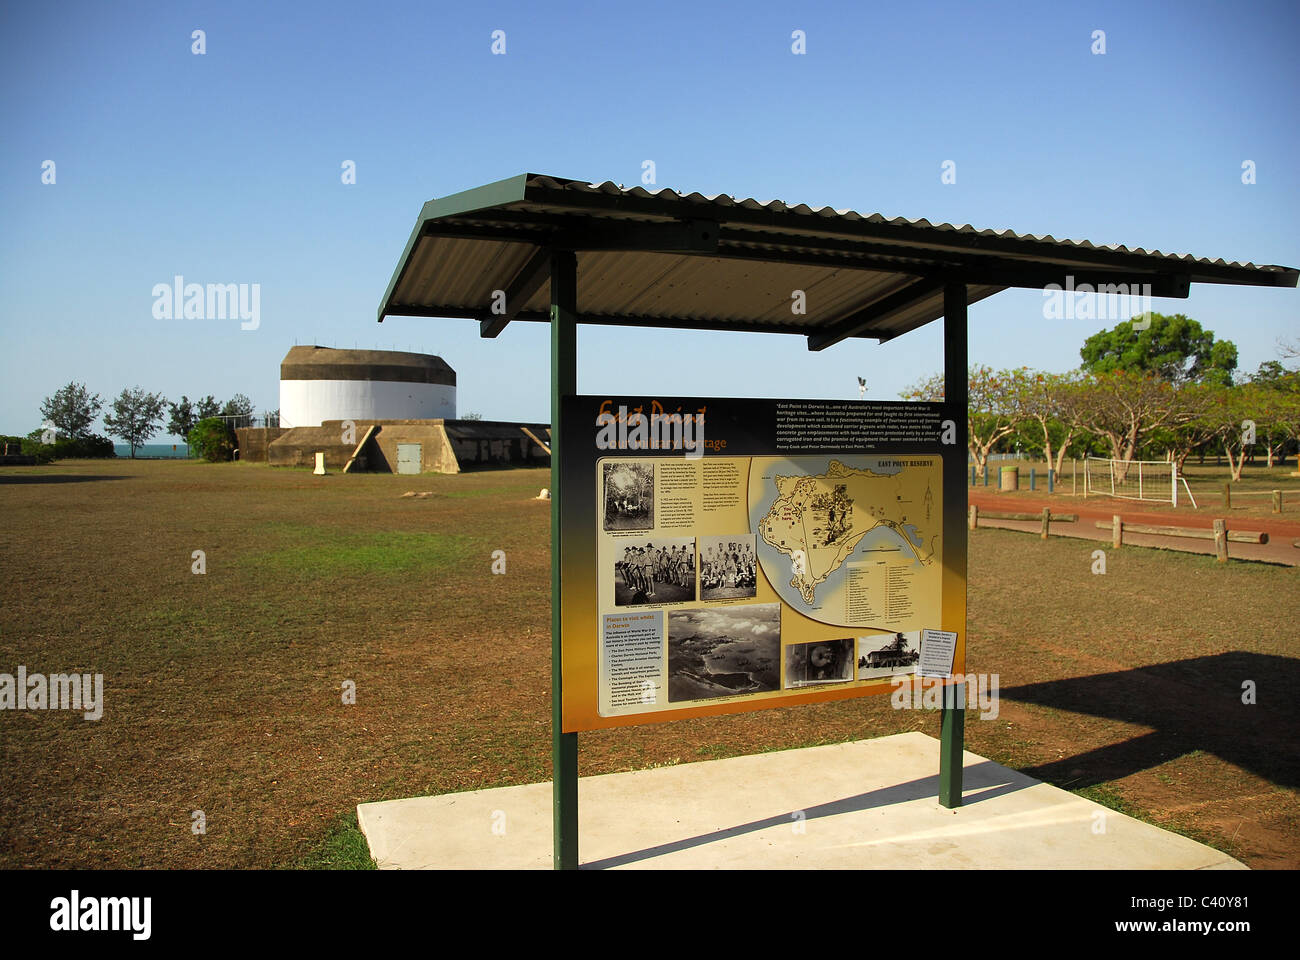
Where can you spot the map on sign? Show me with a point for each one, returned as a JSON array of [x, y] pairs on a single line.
[[856, 541]]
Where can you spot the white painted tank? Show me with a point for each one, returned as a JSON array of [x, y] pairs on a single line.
[[323, 383]]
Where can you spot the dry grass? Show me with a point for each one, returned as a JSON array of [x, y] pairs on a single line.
[[223, 691]]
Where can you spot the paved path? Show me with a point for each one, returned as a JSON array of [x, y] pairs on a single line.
[[1281, 532]]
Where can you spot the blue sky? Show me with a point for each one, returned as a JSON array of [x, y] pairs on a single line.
[[225, 168]]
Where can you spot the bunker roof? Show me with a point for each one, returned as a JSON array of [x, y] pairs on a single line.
[[329, 363]]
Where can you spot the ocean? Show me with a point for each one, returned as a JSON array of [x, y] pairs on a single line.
[[168, 450]]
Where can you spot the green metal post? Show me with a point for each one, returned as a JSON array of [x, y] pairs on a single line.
[[956, 388], [564, 382]]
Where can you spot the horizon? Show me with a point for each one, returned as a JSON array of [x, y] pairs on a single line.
[[232, 167]]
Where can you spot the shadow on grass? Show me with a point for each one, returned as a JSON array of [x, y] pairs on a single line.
[[1191, 705], [52, 478]]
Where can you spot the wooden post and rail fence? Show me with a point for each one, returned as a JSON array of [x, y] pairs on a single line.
[[1220, 533], [1275, 494]]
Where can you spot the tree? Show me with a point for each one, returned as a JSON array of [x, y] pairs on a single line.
[[238, 410], [1277, 390], [1271, 373], [182, 419], [993, 409], [1047, 399], [207, 407], [212, 439], [1285, 412], [1173, 348], [136, 416], [1231, 420], [1288, 349], [72, 410], [1123, 407], [1189, 427]]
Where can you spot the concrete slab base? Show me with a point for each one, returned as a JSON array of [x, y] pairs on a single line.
[[869, 804]]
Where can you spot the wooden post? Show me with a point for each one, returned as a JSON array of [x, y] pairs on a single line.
[[1047, 522], [974, 516], [1277, 501], [1033, 478], [1221, 540], [1227, 496], [1051, 479], [1116, 531], [1196, 533]]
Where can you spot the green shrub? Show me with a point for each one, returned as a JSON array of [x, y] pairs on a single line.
[[63, 448], [43, 452], [212, 439], [82, 447]]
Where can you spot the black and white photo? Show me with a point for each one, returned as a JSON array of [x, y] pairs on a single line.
[[887, 655], [723, 651], [822, 661], [728, 567], [629, 502], [657, 570]]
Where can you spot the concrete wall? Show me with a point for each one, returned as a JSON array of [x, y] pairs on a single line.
[[446, 446], [487, 443], [253, 441], [297, 447], [381, 451]]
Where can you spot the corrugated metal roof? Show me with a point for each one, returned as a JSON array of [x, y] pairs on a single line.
[[662, 258]]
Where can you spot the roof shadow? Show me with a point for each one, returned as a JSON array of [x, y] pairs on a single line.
[[1193, 704]]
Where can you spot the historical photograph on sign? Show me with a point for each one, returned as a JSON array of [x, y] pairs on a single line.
[[882, 655], [728, 567], [629, 496], [822, 661], [723, 651], [656, 570]]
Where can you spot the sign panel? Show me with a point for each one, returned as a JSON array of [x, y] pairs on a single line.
[[721, 555]]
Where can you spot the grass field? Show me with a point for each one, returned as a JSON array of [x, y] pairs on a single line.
[[224, 691]]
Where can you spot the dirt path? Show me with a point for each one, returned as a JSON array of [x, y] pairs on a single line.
[[1279, 549]]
